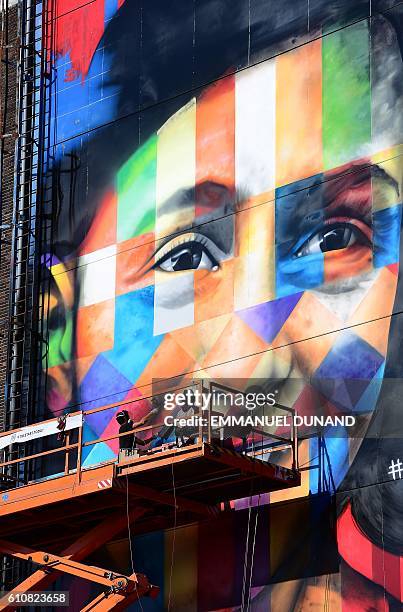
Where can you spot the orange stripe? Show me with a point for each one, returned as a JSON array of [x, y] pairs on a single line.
[[299, 114], [215, 141], [102, 232]]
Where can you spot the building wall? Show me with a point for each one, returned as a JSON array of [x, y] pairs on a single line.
[[228, 182], [8, 111]]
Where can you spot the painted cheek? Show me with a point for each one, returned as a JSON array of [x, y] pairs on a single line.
[[131, 263], [346, 263], [214, 291]]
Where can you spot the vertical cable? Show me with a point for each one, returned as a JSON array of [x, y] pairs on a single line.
[[173, 537], [130, 541]]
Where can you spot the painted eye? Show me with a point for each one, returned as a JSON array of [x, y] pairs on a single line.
[[188, 256], [332, 238]]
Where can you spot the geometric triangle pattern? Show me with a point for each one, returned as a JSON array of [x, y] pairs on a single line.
[[267, 319], [132, 289], [103, 384], [347, 370], [199, 339]]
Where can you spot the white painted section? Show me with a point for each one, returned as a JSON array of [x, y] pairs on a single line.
[[255, 120], [173, 303], [97, 276]]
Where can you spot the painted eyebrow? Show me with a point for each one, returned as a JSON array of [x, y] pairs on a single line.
[[382, 174], [358, 178], [213, 197], [179, 199], [361, 172], [209, 194], [344, 191], [224, 194]]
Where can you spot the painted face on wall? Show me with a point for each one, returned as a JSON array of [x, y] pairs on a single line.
[[254, 236]]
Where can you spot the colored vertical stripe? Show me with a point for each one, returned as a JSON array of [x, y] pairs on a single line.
[[215, 141], [97, 276], [173, 301], [386, 236], [241, 262], [217, 566], [176, 170], [295, 274], [136, 192], [386, 75], [299, 114], [111, 6], [366, 558], [134, 343], [95, 328], [254, 271], [78, 31], [261, 254], [181, 547], [152, 565], [346, 94], [255, 116], [384, 192], [103, 230]]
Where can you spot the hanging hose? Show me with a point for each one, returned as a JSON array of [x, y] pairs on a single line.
[[253, 555], [130, 542], [173, 537], [245, 563]]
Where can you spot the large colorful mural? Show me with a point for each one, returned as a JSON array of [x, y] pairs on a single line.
[[227, 195]]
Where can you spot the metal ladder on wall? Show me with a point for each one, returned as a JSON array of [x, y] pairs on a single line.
[[322, 466], [32, 227]]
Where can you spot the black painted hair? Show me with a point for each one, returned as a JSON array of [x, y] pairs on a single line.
[[376, 498]]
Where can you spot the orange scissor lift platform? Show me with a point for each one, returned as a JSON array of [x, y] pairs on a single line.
[[59, 521]]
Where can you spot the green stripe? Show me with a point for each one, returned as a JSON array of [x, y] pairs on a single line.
[[60, 343], [346, 94], [136, 192]]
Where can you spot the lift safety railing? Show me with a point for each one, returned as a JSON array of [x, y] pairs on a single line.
[[166, 435]]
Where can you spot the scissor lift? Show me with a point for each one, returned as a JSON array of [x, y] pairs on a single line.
[[57, 522]]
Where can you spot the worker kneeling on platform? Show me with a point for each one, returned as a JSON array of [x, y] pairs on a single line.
[[128, 444], [182, 423]]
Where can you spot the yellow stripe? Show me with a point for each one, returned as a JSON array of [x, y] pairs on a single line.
[[299, 114], [176, 169]]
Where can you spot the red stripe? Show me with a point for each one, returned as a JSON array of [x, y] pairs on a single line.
[[366, 558], [78, 31]]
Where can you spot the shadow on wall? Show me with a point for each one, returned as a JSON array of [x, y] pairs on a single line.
[[287, 541]]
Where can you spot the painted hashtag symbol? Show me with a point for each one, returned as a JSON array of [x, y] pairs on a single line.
[[396, 469]]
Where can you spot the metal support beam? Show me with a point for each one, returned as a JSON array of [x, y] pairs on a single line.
[[170, 500], [114, 582], [115, 601], [81, 548]]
